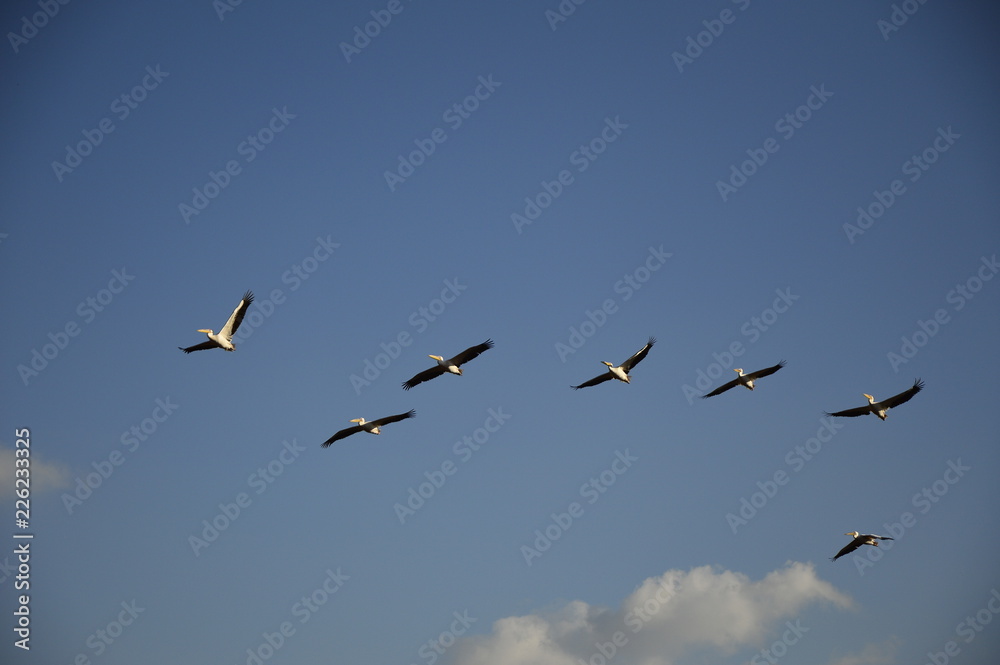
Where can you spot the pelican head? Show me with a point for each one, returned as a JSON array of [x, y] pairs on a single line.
[[738, 370], [871, 400], [437, 358], [207, 331], [605, 362], [360, 421], [853, 534]]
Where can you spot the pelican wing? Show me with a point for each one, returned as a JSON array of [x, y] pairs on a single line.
[[607, 376], [394, 419], [426, 375], [723, 388], [850, 547], [236, 318], [851, 413], [471, 352], [199, 347], [639, 355], [904, 396], [767, 371], [341, 434]]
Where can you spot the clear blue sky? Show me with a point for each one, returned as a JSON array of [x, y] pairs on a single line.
[[748, 182]]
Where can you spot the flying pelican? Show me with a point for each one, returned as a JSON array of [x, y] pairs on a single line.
[[620, 372], [745, 379], [859, 540], [450, 365], [879, 408], [224, 340], [372, 427]]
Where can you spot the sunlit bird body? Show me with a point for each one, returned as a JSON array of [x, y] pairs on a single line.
[[224, 338], [621, 371], [370, 426], [450, 365], [859, 540], [880, 408], [745, 380]]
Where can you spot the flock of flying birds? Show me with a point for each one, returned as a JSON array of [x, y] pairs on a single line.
[[224, 340]]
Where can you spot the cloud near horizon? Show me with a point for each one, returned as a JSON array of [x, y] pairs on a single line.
[[704, 609], [45, 476]]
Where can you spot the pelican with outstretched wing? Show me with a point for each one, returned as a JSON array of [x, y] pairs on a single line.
[[224, 338], [370, 426], [859, 540], [746, 380], [621, 371], [879, 408], [449, 365]]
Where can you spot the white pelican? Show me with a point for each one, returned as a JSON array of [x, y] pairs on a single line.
[[745, 379], [449, 365], [859, 540], [879, 408], [372, 427], [620, 372], [224, 340]]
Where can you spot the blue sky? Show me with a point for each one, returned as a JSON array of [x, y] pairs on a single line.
[[747, 182]]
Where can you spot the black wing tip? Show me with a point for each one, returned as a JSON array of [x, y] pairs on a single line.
[[411, 413], [488, 343], [651, 341], [248, 296], [918, 384], [781, 363]]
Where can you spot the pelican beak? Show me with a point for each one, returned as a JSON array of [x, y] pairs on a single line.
[[204, 330], [356, 420]]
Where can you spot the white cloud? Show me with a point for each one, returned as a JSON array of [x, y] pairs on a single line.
[[44, 476], [703, 609]]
